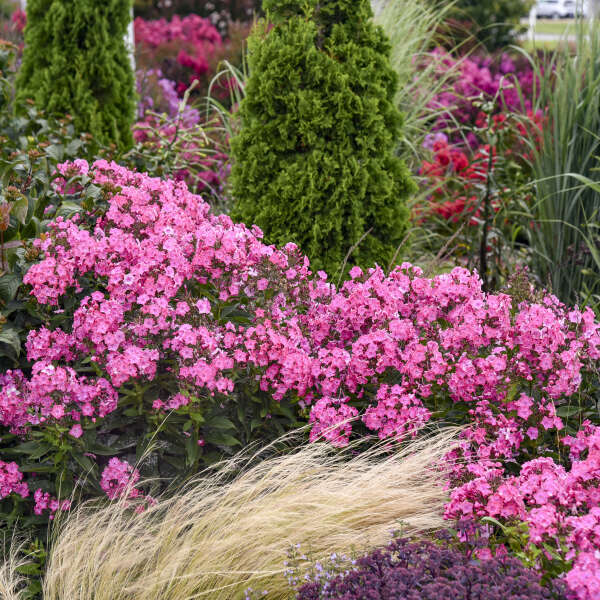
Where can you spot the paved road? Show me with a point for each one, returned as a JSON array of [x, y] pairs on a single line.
[[548, 37]]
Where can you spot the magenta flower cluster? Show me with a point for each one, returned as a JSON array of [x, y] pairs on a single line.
[[118, 478], [12, 482], [194, 41], [479, 76], [561, 506], [384, 349]]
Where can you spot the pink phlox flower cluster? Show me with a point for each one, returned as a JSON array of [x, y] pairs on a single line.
[[154, 241], [52, 393], [439, 337], [118, 478], [396, 413], [45, 502], [382, 348], [584, 578], [11, 480], [561, 506], [331, 420], [443, 337]]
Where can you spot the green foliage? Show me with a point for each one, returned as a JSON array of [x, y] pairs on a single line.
[[7, 7], [76, 62], [494, 23], [547, 558], [565, 239], [314, 161], [30, 148]]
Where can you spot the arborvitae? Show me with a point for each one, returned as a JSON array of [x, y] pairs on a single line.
[[76, 62], [314, 161]]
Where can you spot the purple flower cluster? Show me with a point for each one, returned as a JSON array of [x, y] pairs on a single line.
[[425, 571], [158, 94]]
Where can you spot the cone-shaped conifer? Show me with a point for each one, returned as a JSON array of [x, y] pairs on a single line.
[[76, 61], [314, 162]]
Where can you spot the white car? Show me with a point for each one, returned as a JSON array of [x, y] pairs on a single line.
[[561, 9]]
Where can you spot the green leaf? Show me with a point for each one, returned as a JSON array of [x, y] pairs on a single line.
[[94, 192], [9, 286], [73, 147], [218, 438], [56, 152], [568, 410], [33, 449], [192, 450], [29, 569], [19, 209], [66, 209], [84, 462], [32, 229], [11, 337], [196, 417], [219, 422], [286, 411], [37, 468], [102, 450]]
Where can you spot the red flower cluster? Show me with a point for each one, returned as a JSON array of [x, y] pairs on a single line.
[[454, 177]]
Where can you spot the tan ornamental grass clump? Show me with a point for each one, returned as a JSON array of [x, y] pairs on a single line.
[[11, 581], [225, 533]]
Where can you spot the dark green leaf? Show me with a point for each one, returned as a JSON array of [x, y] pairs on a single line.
[[9, 286], [19, 209], [11, 337], [219, 422], [221, 439]]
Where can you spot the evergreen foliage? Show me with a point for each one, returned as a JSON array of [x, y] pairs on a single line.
[[76, 62], [314, 161]]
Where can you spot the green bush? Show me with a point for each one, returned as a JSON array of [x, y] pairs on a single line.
[[76, 62], [494, 24], [314, 160]]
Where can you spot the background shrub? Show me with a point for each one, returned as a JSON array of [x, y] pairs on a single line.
[[220, 12], [493, 24], [76, 62], [314, 161]]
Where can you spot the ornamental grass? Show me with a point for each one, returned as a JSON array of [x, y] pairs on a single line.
[[11, 580], [231, 530]]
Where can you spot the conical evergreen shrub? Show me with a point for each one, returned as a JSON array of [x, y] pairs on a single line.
[[75, 61], [314, 161]]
